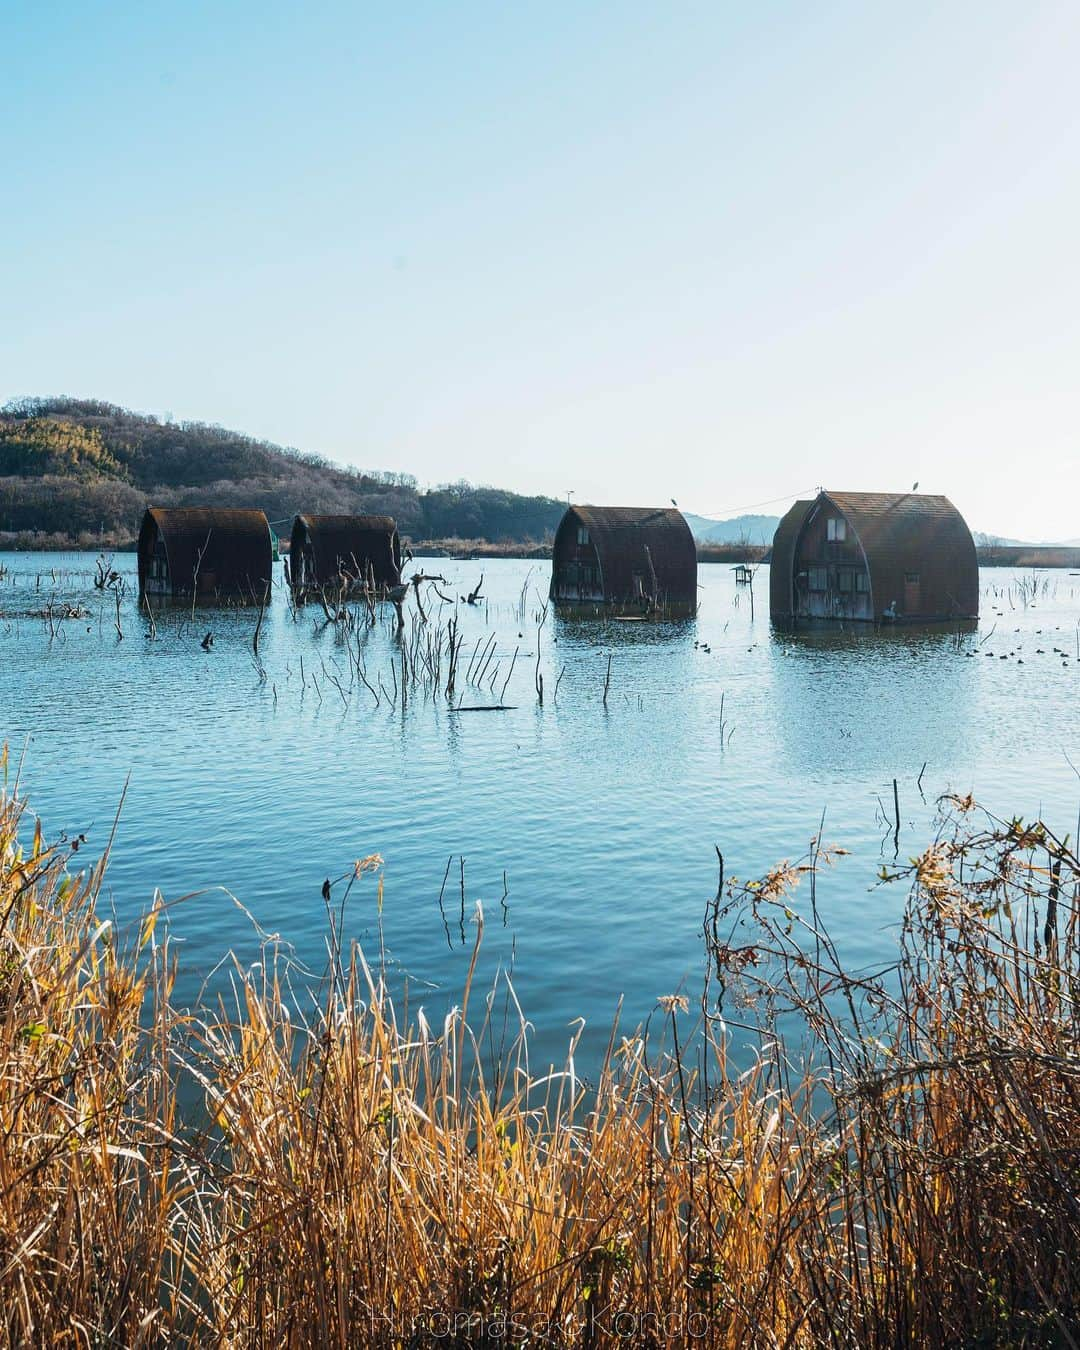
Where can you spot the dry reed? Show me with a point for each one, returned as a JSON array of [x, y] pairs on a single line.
[[344, 1179]]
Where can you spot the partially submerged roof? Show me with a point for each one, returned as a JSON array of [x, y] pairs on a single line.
[[350, 544], [210, 550], [904, 532], [628, 538], [902, 535]]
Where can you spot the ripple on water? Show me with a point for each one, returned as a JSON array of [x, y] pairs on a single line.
[[604, 819]]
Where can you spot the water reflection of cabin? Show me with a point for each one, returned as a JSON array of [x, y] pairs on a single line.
[[624, 556], [208, 553], [869, 556], [327, 551]]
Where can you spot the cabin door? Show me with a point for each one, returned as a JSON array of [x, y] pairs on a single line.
[[912, 593]]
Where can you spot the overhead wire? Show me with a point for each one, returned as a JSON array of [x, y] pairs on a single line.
[[737, 510]]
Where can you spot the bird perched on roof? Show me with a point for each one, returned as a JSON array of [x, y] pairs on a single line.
[[674, 502], [915, 486]]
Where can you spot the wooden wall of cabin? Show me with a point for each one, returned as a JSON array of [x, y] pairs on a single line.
[[576, 571], [831, 577]]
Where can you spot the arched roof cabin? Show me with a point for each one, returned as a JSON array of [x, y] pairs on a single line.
[[325, 549], [205, 553], [871, 556], [628, 556]]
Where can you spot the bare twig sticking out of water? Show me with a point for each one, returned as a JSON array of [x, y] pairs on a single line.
[[259, 620], [118, 586], [523, 598], [538, 679], [896, 807], [150, 616], [607, 679], [726, 732], [476, 651], [485, 659], [415, 582], [103, 571], [337, 685], [362, 672], [442, 910], [195, 572], [555, 696], [502, 696], [454, 641]]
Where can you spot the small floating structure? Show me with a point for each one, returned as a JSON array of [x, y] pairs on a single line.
[[873, 557], [351, 551], [205, 553], [629, 557]]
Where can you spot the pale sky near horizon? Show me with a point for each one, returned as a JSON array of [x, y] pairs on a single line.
[[721, 253]]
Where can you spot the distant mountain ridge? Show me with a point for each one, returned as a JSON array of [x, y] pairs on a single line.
[[760, 530], [983, 540], [737, 530]]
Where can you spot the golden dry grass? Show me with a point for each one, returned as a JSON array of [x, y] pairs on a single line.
[[347, 1180]]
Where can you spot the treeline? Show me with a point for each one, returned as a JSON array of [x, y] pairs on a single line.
[[78, 468]]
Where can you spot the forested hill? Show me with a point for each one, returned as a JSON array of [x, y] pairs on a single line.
[[83, 471]]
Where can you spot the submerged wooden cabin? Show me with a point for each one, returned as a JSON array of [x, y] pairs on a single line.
[[327, 551], [207, 553], [871, 557], [625, 556]]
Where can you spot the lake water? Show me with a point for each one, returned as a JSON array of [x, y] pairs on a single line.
[[598, 821]]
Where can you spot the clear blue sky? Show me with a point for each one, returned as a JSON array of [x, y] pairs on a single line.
[[716, 252]]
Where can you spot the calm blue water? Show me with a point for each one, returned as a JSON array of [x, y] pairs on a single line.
[[601, 820]]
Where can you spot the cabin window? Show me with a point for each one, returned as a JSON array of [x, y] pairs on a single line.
[[849, 580], [912, 578], [583, 535], [837, 528], [819, 578]]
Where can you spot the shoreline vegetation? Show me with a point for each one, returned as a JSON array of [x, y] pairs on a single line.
[[899, 1165], [1028, 557], [452, 547]]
